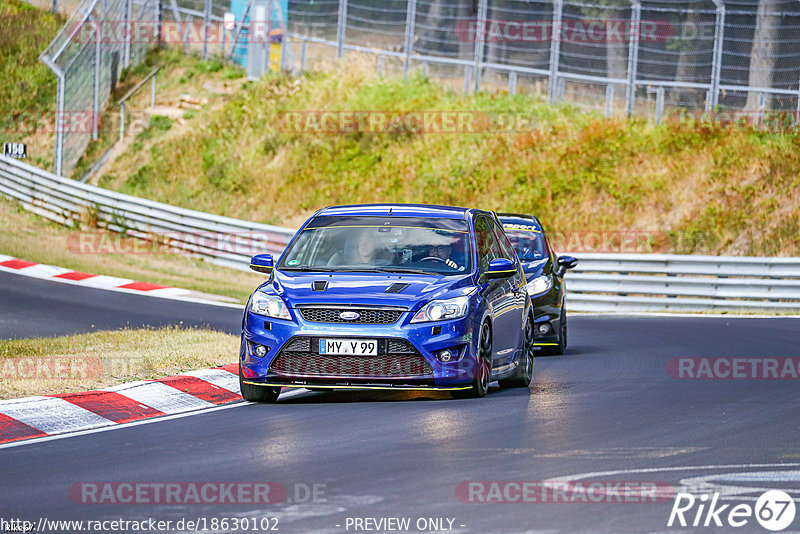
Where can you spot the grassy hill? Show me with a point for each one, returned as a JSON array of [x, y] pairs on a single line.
[[686, 189], [710, 189]]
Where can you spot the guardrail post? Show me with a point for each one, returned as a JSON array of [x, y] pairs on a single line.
[[153, 92], [659, 103], [411, 17], [54, 8], [555, 49], [303, 50], [379, 66], [633, 56], [341, 28], [762, 105], [716, 63], [467, 78], [121, 122], [609, 99], [480, 43], [512, 82]]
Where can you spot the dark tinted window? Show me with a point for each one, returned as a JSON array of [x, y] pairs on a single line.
[[488, 248]]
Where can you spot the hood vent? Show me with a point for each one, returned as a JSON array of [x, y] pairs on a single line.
[[397, 287], [319, 285]]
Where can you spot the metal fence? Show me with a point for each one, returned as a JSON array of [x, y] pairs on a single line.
[[616, 56], [601, 282], [88, 57], [629, 56]]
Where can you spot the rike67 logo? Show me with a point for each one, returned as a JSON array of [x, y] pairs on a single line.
[[774, 510]]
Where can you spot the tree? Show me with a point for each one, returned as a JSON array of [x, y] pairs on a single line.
[[763, 52]]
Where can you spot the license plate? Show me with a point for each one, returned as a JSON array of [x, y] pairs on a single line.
[[350, 347]]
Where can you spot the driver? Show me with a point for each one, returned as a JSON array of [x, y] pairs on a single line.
[[443, 252]]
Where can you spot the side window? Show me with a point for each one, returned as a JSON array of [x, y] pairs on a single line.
[[488, 249], [505, 245]]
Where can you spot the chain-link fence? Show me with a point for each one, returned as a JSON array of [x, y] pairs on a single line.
[[647, 57], [644, 57], [88, 56]]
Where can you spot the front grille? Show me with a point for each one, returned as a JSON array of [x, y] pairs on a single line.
[[397, 358], [366, 316], [309, 364], [399, 346]]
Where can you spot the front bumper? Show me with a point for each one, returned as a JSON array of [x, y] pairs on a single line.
[[406, 359], [547, 309]]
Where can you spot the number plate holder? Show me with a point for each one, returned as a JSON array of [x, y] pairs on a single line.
[[348, 347]]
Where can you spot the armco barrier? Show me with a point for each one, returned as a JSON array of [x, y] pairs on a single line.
[[601, 282], [669, 282], [67, 201]]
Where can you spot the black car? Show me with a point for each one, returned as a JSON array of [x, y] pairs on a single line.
[[544, 272]]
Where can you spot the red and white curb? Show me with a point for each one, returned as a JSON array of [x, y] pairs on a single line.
[[100, 281], [48, 415]]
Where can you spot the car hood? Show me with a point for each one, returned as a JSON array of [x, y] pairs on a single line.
[[363, 289]]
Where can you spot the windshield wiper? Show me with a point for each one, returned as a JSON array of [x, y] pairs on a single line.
[[306, 268], [404, 270]]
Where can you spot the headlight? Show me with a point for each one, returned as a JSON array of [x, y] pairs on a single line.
[[270, 306], [441, 310], [539, 285]]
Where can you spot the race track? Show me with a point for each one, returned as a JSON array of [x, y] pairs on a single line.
[[604, 410]]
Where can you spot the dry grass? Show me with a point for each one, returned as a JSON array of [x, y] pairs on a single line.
[[31, 238], [710, 190], [101, 359]]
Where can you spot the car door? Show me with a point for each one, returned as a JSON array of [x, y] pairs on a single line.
[[514, 291], [497, 293]]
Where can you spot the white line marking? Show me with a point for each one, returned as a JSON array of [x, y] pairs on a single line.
[[119, 426], [160, 396], [52, 415], [102, 281], [42, 439], [83, 283], [580, 476], [41, 270]]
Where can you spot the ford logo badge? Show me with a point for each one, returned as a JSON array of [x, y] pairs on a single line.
[[349, 315]]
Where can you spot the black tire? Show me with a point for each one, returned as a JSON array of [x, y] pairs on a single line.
[[524, 374], [480, 385], [558, 350], [257, 393]]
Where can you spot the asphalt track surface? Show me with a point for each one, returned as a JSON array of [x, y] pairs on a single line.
[[602, 411]]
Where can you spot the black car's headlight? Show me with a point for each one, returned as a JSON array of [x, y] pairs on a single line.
[[441, 310], [269, 306], [539, 285]]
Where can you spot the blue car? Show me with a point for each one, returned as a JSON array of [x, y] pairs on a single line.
[[389, 296], [545, 274]]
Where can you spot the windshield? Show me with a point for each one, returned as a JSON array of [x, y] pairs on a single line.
[[529, 243], [381, 244]]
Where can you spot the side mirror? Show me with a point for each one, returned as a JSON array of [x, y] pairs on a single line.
[[501, 268], [262, 263], [564, 263]]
